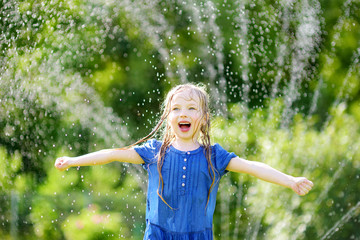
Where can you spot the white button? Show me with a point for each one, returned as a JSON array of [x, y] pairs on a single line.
[[184, 176], [184, 168], [183, 184], [188, 152], [185, 159]]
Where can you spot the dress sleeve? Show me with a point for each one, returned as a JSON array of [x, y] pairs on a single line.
[[221, 158], [148, 151]]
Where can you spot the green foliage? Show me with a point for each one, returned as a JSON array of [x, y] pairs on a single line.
[[9, 166], [94, 225], [330, 158]]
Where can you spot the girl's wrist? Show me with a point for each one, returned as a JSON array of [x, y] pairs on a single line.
[[72, 161], [290, 181]]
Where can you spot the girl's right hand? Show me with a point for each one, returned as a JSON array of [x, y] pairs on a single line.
[[63, 163]]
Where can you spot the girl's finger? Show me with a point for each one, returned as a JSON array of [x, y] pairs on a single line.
[[304, 192], [307, 189], [306, 182], [310, 183], [304, 189], [298, 190], [306, 186]]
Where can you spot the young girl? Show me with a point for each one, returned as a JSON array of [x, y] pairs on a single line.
[[184, 169]]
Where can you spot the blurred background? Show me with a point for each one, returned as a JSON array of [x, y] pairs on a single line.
[[79, 76]]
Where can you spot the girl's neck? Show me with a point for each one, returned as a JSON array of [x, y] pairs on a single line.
[[185, 146]]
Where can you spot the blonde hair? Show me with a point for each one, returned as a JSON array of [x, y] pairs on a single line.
[[168, 136]]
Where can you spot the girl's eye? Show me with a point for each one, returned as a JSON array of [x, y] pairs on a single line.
[[174, 109], [192, 108]]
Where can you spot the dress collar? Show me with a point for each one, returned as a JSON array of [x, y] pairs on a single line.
[[173, 149]]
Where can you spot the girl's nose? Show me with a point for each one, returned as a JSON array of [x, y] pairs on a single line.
[[183, 113]]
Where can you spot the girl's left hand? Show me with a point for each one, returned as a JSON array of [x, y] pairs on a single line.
[[301, 185], [63, 163]]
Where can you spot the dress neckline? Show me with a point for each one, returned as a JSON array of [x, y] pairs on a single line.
[[173, 149]]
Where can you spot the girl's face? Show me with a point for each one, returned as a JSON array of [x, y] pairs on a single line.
[[185, 115]]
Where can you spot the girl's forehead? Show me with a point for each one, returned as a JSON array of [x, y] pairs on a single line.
[[185, 95]]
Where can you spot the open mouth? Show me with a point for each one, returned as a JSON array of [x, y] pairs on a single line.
[[184, 126]]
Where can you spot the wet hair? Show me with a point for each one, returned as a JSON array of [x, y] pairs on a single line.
[[168, 136]]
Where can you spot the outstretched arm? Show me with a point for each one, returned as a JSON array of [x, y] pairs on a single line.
[[300, 185], [99, 158]]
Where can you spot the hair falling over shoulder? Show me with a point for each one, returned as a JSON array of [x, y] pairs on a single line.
[[168, 136]]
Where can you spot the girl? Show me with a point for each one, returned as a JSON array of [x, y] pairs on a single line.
[[184, 169]]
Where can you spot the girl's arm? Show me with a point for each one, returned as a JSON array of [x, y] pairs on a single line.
[[98, 158], [300, 185]]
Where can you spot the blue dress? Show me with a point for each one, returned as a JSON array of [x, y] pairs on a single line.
[[186, 185]]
